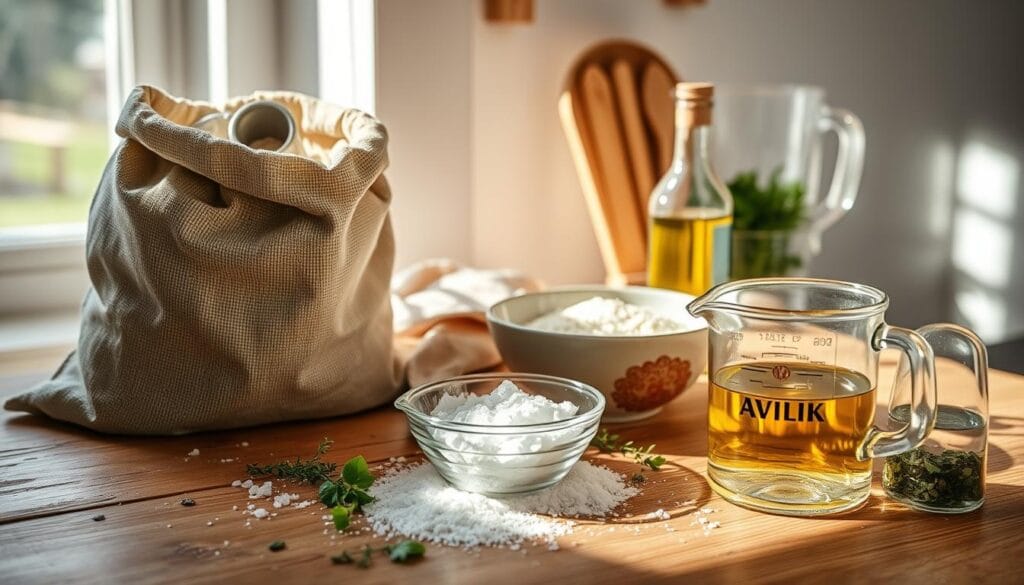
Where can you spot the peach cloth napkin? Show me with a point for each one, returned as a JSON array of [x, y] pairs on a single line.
[[439, 322]]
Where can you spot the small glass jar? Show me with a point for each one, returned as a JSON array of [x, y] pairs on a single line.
[[761, 253], [946, 473]]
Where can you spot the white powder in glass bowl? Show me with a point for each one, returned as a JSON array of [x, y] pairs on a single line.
[[505, 455], [605, 316], [506, 405]]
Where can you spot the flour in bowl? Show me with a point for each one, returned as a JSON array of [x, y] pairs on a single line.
[[510, 451], [605, 316], [505, 405]]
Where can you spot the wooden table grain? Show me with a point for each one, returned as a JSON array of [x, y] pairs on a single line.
[[57, 478]]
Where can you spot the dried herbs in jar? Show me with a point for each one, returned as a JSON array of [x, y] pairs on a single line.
[[945, 473], [946, 481]]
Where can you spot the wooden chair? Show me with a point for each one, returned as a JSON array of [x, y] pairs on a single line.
[[617, 111]]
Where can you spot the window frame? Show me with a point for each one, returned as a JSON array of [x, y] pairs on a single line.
[[209, 49]]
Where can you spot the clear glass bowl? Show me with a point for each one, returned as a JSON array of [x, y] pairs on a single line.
[[503, 460]]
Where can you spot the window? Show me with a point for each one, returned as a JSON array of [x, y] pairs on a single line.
[[53, 133], [66, 67]]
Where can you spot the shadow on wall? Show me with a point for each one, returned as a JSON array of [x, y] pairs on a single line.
[[985, 241]]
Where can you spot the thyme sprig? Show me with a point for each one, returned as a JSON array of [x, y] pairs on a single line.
[[609, 443], [311, 471]]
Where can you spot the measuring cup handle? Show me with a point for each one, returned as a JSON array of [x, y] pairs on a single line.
[[842, 191], [923, 400]]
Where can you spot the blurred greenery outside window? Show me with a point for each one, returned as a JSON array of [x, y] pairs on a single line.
[[53, 132]]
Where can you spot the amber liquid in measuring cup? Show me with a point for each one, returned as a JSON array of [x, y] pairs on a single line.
[[794, 367], [789, 432]]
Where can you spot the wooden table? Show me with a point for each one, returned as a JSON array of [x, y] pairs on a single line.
[[56, 478]]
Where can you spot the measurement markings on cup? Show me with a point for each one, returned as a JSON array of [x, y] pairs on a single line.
[[783, 355]]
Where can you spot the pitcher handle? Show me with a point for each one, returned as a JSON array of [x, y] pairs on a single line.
[[923, 399], [842, 191]]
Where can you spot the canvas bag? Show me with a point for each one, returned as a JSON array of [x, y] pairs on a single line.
[[232, 286]]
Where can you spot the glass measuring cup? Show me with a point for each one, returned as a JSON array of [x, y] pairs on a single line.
[[793, 368]]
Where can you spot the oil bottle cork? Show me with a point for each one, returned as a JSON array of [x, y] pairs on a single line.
[[698, 98]]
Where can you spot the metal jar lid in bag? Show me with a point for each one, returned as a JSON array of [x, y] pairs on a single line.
[[264, 124]]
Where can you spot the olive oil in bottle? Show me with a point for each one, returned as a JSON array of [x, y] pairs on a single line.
[[683, 250], [690, 208]]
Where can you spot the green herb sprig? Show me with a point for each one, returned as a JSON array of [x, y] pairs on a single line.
[[609, 443], [775, 207], [403, 552], [345, 495], [310, 471]]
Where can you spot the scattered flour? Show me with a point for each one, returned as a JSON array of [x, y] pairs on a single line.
[[284, 500], [701, 519], [193, 453], [605, 316], [260, 491], [416, 502]]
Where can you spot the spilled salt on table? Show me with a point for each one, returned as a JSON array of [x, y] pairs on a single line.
[[415, 502]]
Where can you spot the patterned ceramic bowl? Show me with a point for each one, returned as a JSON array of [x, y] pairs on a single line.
[[638, 374]]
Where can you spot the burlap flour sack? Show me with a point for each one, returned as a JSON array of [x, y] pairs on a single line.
[[232, 286]]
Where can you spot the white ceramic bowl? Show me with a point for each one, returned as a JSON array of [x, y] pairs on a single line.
[[638, 374]]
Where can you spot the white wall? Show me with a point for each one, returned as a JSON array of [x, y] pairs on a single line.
[[937, 84], [423, 97]]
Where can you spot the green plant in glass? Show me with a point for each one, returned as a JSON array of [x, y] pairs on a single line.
[[764, 219]]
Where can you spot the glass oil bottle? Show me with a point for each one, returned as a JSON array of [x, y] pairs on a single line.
[[690, 209]]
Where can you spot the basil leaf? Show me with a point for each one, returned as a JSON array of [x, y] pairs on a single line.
[[406, 550], [329, 493], [361, 498], [342, 516], [357, 473]]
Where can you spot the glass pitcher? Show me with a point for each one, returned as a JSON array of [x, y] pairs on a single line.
[[793, 368], [779, 130]]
